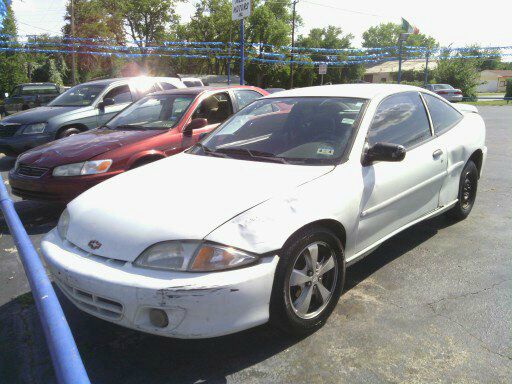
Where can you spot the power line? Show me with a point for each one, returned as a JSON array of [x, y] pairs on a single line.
[[42, 29], [343, 9]]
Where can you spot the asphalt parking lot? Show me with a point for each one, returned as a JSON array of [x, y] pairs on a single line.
[[433, 304]]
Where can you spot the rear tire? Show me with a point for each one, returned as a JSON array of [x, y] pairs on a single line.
[[467, 192], [68, 132], [308, 281]]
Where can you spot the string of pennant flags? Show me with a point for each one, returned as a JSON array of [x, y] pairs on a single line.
[[259, 53]]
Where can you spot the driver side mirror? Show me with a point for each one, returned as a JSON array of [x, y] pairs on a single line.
[[384, 152], [106, 102], [195, 124]]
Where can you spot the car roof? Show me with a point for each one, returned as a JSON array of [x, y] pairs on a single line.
[[128, 80], [363, 91], [199, 90], [47, 83]]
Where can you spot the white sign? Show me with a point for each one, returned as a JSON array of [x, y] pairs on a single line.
[[240, 9], [322, 69]]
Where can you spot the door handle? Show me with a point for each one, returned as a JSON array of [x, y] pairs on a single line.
[[437, 153]]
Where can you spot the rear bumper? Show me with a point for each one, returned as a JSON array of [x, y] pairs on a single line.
[[50, 188], [14, 145], [198, 305]]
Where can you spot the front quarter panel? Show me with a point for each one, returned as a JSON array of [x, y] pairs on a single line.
[[266, 227]]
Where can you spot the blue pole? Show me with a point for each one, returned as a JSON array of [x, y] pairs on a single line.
[[68, 366], [242, 52]]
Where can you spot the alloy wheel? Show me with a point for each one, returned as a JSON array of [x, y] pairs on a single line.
[[312, 280]]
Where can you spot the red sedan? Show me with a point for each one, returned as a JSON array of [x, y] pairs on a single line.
[[159, 125]]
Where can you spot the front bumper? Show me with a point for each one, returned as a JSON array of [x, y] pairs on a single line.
[[17, 144], [49, 188], [198, 305]]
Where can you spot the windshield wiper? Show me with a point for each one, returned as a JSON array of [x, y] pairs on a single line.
[[252, 153], [209, 151], [130, 126]]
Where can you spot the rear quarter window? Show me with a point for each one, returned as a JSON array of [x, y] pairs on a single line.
[[443, 115]]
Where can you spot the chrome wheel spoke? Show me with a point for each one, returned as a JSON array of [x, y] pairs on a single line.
[[298, 278], [304, 301], [313, 255], [324, 292], [327, 266]]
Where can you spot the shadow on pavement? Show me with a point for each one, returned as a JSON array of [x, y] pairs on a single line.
[[113, 354], [7, 163], [37, 217]]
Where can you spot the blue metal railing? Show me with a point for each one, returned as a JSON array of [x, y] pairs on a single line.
[[69, 368]]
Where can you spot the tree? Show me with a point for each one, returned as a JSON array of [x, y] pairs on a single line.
[[327, 38], [269, 24], [12, 68], [459, 72], [387, 34], [147, 20], [94, 19]]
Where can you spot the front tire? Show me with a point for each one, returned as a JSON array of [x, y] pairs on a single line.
[[467, 192], [68, 132], [308, 281]]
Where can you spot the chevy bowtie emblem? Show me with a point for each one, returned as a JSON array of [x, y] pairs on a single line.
[[94, 244]]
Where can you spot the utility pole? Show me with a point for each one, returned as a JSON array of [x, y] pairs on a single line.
[[293, 43], [401, 39], [425, 80], [73, 55]]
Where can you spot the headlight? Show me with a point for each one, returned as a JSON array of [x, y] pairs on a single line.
[[62, 226], [193, 256], [34, 128], [17, 163], [85, 168]]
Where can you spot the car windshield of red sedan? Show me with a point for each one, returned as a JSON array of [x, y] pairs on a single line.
[[152, 112], [305, 130], [79, 96]]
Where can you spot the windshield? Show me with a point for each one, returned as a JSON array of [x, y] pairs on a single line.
[[152, 112], [306, 130], [78, 96]]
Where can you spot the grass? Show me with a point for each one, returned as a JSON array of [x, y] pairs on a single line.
[[490, 102]]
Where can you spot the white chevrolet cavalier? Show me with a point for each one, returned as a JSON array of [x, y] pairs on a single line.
[[258, 222]]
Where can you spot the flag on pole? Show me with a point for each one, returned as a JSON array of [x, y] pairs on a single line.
[[409, 28]]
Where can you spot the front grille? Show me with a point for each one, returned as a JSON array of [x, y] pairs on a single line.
[[36, 195], [98, 305], [28, 170], [8, 130]]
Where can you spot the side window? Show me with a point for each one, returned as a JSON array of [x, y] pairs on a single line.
[[244, 97], [215, 108], [120, 94], [400, 119], [166, 86], [443, 116], [16, 92]]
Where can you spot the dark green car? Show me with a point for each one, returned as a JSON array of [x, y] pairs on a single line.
[[26, 96]]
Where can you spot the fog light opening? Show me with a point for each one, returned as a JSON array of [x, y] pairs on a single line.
[[158, 318]]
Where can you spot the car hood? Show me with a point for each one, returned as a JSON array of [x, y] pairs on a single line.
[[39, 114], [78, 148], [182, 197]]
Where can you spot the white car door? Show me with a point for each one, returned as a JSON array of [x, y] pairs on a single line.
[[449, 127], [397, 193]]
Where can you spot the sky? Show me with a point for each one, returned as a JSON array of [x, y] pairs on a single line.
[[449, 21]]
